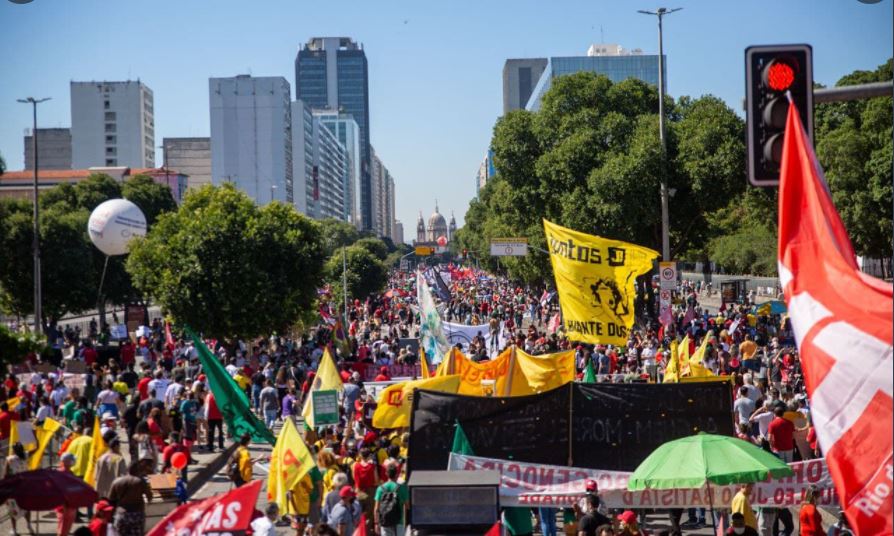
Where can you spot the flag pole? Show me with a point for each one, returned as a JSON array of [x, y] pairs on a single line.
[[344, 282]]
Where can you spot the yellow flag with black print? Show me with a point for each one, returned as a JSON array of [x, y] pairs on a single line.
[[596, 279]]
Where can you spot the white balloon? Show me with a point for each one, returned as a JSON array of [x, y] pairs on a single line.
[[113, 224]]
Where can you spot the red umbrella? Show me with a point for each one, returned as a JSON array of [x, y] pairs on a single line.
[[45, 489]]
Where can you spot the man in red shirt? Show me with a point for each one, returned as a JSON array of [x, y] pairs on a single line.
[[127, 352], [143, 385], [215, 420], [781, 433]]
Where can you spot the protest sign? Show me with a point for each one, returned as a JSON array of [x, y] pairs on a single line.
[[528, 484], [603, 425]]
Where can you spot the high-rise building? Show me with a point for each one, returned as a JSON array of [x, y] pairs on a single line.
[[347, 131], [486, 171], [332, 73], [112, 124], [378, 177], [519, 78], [613, 61], [53, 149], [305, 184], [251, 136], [191, 156], [389, 206], [398, 235], [330, 173]]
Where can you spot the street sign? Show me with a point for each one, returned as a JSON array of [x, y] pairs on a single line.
[[664, 305], [404, 265], [424, 251], [667, 275], [508, 247], [325, 405]]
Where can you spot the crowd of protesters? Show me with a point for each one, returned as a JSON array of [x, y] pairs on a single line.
[[153, 395]]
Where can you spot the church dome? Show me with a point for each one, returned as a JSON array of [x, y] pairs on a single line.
[[437, 221]]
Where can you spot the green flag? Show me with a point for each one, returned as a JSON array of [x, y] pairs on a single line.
[[461, 443], [231, 400], [589, 373]]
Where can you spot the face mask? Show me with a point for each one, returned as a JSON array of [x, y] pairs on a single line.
[[739, 530]]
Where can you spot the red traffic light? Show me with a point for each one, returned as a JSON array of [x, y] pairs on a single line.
[[779, 75]]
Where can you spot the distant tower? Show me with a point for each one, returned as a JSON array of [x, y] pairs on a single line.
[[437, 225], [420, 229], [451, 229]]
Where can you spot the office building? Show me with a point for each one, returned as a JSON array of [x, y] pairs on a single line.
[[112, 124], [519, 78], [332, 73], [382, 197], [347, 131], [330, 173], [303, 158], [20, 184], [53, 149], [191, 156], [251, 136], [486, 171], [398, 235], [321, 164], [613, 61]]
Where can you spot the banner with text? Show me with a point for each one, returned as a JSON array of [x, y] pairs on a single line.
[[529, 484], [596, 279]]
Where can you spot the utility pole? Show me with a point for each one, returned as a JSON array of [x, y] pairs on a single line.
[[344, 281], [35, 243], [665, 202]]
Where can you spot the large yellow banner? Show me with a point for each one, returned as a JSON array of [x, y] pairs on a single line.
[[395, 403], [513, 372], [595, 278]]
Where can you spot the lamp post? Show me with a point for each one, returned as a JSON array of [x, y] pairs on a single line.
[[272, 193], [35, 242], [665, 216]]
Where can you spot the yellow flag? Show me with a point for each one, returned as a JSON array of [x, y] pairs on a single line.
[[683, 357], [533, 374], [13, 435], [396, 402], [98, 448], [289, 462], [596, 279], [327, 379], [44, 435], [13, 402], [423, 361], [697, 368], [671, 371]]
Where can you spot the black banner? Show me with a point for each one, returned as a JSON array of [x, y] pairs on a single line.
[[615, 426], [611, 426], [531, 428]]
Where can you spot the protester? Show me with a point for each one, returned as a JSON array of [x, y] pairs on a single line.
[[346, 514], [738, 526], [741, 505], [126, 495], [266, 524], [390, 504], [809, 519]]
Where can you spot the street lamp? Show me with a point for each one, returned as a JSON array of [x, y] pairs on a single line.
[[665, 216], [35, 242], [272, 193]]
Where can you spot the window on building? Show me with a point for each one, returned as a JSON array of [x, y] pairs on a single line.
[[111, 139], [111, 162], [106, 105], [110, 116], [110, 127], [111, 151]]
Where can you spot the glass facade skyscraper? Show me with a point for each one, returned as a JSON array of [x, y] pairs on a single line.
[[616, 68], [332, 73]]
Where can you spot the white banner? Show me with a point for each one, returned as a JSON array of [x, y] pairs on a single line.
[[463, 334], [531, 484]]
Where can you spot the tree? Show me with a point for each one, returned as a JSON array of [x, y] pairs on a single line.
[[854, 147], [365, 273], [228, 268], [15, 347], [153, 198], [2, 165], [590, 159], [336, 234], [375, 246]]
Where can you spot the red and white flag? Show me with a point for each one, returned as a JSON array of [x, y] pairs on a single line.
[[227, 513], [842, 320]]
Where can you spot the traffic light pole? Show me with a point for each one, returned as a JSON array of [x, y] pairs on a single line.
[[857, 92]]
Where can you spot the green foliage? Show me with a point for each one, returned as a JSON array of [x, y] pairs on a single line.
[[2, 165], [590, 159], [375, 246], [15, 347], [365, 274], [336, 234], [854, 146], [227, 268], [153, 198]]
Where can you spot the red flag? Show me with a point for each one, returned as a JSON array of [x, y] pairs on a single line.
[[169, 339], [360, 529], [842, 320], [225, 513], [494, 531]]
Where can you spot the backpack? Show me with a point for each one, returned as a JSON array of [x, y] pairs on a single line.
[[233, 472], [389, 512]]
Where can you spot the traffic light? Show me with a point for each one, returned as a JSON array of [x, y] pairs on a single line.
[[771, 74]]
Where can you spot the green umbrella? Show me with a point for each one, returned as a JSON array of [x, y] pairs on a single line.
[[694, 461], [691, 461]]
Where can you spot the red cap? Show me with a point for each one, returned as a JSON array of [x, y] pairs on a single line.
[[734, 363], [346, 491], [104, 506], [202, 377], [629, 516], [591, 485]]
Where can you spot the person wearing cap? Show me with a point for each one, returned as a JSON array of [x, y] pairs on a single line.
[[738, 526], [628, 525], [593, 519], [99, 525], [345, 515]]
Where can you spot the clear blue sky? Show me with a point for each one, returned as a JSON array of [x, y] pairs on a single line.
[[435, 68]]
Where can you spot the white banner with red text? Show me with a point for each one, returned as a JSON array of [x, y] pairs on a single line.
[[531, 484]]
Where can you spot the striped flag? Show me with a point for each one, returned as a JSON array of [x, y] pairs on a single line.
[[842, 321]]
